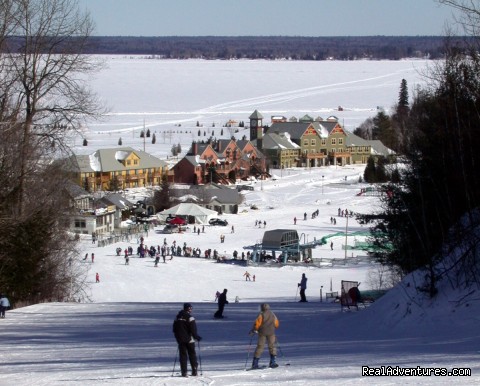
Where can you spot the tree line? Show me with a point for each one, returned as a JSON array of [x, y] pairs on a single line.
[[267, 47]]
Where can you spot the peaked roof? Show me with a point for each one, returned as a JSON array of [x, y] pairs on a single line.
[[296, 129], [377, 147], [188, 209], [75, 191], [216, 192], [108, 160], [256, 115], [279, 141], [118, 200]]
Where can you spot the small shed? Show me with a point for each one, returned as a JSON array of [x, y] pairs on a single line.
[[278, 239]]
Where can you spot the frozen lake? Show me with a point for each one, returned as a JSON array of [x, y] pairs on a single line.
[[168, 93]]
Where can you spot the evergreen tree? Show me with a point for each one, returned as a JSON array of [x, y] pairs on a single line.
[[384, 131], [440, 183], [174, 150], [161, 198], [154, 138], [120, 143], [114, 184], [403, 105], [369, 175], [148, 133], [85, 142]]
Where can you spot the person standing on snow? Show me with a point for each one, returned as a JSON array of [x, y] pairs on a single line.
[[4, 304], [185, 331], [222, 300], [265, 325], [303, 287]]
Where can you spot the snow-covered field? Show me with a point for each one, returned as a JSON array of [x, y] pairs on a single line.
[[124, 335], [169, 97]]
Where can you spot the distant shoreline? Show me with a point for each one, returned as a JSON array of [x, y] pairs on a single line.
[[269, 47]]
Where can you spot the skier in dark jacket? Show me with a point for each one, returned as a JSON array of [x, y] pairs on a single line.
[[185, 331], [222, 300], [303, 287]]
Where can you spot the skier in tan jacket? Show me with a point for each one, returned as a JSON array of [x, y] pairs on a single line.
[[265, 325]]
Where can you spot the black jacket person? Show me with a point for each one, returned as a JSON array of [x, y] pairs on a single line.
[[222, 300], [185, 331]]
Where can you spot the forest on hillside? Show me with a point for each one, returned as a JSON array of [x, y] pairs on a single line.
[[267, 47]]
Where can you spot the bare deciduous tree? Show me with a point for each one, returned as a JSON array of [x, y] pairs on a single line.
[[49, 71], [44, 99]]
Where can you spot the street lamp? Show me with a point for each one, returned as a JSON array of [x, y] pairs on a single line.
[[322, 185]]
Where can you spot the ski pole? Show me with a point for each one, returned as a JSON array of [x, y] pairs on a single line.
[[248, 351], [175, 362], [296, 293], [280, 350], [200, 358]]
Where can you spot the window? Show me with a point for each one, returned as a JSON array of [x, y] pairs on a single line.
[[340, 141], [305, 142], [129, 162], [79, 223], [324, 141], [312, 142], [135, 162], [333, 141]]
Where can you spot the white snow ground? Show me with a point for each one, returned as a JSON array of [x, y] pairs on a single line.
[[123, 336]]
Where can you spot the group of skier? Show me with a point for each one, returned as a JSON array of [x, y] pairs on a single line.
[[186, 335], [264, 326]]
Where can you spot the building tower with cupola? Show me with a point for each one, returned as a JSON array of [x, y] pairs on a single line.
[[256, 129]]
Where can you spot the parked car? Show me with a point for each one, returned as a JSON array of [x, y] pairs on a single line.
[[217, 221]]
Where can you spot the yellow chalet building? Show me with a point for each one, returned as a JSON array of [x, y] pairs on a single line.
[[116, 169]]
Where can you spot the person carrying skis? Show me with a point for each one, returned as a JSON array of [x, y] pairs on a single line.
[[222, 300], [265, 325], [303, 287], [185, 331]]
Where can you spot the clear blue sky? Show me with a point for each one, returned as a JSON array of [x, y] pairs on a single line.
[[267, 17]]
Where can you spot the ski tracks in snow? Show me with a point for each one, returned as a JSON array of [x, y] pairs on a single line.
[[245, 106]]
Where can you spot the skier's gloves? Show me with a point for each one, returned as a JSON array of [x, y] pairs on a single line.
[[199, 338], [253, 332]]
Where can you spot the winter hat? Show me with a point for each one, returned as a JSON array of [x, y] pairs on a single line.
[[265, 307], [187, 306]]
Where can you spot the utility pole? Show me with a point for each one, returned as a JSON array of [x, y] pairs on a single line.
[[346, 231]]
